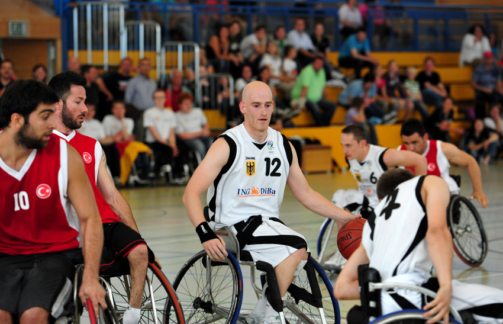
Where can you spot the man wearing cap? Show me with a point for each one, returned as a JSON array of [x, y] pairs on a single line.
[[486, 81]]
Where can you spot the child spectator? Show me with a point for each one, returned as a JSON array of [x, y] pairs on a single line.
[[414, 92], [356, 116], [272, 60], [290, 72]]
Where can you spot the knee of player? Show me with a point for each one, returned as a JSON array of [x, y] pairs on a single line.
[[34, 315], [139, 254]]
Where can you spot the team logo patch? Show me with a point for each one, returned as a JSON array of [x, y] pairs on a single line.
[[431, 167], [368, 164], [88, 158], [358, 177], [256, 192], [270, 144], [43, 191], [250, 166]]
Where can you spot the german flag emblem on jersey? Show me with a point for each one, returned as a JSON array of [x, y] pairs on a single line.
[[358, 177], [250, 168]]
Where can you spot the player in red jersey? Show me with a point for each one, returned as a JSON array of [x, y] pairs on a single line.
[[439, 156], [124, 246], [42, 177]]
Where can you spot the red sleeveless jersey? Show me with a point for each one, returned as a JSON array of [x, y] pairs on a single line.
[[431, 158], [91, 152], [35, 212]]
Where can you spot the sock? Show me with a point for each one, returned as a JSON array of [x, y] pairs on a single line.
[[259, 310], [131, 316]]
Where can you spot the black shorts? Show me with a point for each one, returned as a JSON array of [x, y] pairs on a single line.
[[38, 280], [120, 240]]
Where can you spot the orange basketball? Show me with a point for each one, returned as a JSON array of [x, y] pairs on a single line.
[[350, 236]]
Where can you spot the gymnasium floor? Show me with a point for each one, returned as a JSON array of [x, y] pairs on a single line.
[[162, 220]]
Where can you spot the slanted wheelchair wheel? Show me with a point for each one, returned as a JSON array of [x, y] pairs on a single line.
[[211, 295], [330, 234], [295, 308], [406, 317], [467, 229], [157, 293]]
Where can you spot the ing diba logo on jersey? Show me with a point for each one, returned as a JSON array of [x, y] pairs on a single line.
[[256, 192], [250, 166]]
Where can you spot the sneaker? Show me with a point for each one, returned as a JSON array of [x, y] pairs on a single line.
[[253, 318], [258, 312], [336, 262], [390, 118], [271, 320]]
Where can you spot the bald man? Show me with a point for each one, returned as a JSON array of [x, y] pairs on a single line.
[[74, 64], [245, 173]]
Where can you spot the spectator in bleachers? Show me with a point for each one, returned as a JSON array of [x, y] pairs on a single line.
[[217, 51], [6, 72], [494, 121], [175, 88], [235, 39], [395, 91], [438, 124], [320, 41], [365, 89], [310, 85], [350, 19], [39, 73], [493, 42], [253, 46], [115, 82], [356, 116], [482, 142], [290, 73], [414, 92], [299, 39], [192, 126], [246, 77], [73, 64], [90, 73], [279, 37], [94, 128], [474, 45], [355, 53], [117, 125], [272, 60], [486, 80], [432, 88], [190, 72], [139, 91], [282, 111]]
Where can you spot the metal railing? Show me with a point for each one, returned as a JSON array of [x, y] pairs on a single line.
[[217, 93]]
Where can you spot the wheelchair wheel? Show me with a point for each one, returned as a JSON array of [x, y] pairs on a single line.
[[467, 229], [210, 295], [299, 311], [153, 304], [406, 317], [330, 234]]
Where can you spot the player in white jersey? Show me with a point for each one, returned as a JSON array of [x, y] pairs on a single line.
[[404, 237], [246, 171], [440, 155]]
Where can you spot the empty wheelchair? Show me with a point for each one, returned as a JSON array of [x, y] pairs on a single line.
[[370, 295], [212, 292]]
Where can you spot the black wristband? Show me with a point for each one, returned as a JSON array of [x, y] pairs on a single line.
[[205, 232]]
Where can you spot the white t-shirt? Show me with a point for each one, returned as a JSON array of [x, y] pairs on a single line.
[[191, 122], [92, 128], [241, 84], [352, 16], [246, 45], [112, 125], [290, 67], [273, 62], [163, 121], [489, 123], [471, 51]]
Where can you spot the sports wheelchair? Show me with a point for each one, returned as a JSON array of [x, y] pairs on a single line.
[[212, 292], [370, 295]]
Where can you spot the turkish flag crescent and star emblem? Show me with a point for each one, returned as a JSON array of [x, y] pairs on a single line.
[[88, 158], [43, 191]]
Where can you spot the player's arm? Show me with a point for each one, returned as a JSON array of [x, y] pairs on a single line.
[[435, 194], [346, 285], [112, 196], [201, 180], [393, 158], [82, 198], [311, 199], [461, 158]]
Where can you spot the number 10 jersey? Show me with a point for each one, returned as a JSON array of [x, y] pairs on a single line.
[[253, 180]]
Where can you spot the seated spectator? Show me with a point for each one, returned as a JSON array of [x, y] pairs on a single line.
[[299, 39], [438, 124], [473, 47], [139, 91], [320, 41], [73, 64], [246, 77], [367, 90], [115, 82], [175, 88], [279, 37], [254, 46], [117, 125], [310, 85], [413, 90], [281, 110], [272, 60], [160, 124], [192, 126], [217, 51], [493, 42], [432, 88], [190, 74], [39, 73], [494, 121], [6, 73], [482, 142], [93, 128], [356, 116], [290, 73], [235, 39], [355, 53], [397, 97], [486, 80], [350, 19], [90, 73]]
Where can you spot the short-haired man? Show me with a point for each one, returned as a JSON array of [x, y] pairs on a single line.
[[259, 162], [302, 42], [253, 46], [440, 155], [139, 90], [40, 238], [90, 73], [355, 53], [432, 88], [405, 236], [486, 80], [124, 246], [6, 72], [73, 64]]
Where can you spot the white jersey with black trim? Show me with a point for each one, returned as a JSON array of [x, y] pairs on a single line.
[[253, 180], [394, 236], [368, 172]]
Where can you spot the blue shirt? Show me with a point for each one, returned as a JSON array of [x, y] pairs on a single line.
[[355, 89], [353, 43], [487, 78]]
